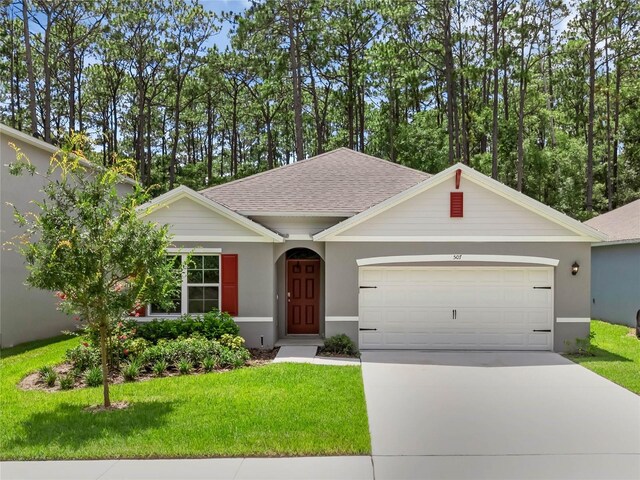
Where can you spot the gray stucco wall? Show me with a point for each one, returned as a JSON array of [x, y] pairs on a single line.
[[615, 283], [25, 313], [571, 295]]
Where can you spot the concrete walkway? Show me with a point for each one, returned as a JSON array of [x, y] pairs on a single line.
[[307, 354]]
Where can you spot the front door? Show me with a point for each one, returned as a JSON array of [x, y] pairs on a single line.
[[303, 296]]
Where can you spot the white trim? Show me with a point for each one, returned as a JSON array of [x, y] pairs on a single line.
[[47, 147], [220, 238], [458, 257], [298, 236], [180, 192], [617, 242], [573, 320], [253, 319], [341, 319], [443, 238], [545, 211], [194, 250]]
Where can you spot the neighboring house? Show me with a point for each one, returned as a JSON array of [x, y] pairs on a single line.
[[25, 313], [348, 243], [615, 273]]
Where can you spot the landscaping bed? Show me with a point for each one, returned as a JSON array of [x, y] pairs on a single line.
[[275, 410], [135, 352], [614, 353]]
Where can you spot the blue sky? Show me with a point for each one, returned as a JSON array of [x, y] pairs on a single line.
[[221, 39]]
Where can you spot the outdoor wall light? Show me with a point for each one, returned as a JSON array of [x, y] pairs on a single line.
[[574, 268]]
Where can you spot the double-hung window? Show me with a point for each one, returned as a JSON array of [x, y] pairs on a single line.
[[200, 287]]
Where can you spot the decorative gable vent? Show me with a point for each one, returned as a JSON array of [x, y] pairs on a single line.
[[457, 204]]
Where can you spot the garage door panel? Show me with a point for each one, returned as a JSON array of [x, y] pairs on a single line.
[[495, 308]]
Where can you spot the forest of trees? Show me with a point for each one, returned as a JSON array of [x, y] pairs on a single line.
[[543, 95]]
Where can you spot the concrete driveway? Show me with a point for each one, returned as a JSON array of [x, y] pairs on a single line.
[[497, 415]]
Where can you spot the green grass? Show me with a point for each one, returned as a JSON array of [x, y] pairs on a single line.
[[617, 355], [278, 409]]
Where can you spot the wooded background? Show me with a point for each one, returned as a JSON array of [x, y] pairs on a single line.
[[543, 95]]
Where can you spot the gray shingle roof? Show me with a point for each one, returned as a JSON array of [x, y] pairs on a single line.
[[620, 224], [341, 182]]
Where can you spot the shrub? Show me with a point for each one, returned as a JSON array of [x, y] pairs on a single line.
[[67, 382], [194, 349], [340, 344], [159, 368], [212, 326], [93, 377], [185, 367], [131, 370], [209, 364], [83, 357], [233, 342], [48, 376], [234, 358]]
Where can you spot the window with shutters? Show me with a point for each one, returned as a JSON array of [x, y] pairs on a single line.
[[200, 289]]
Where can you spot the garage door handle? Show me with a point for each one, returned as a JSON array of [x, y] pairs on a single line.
[[542, 288], [365, 286], [368, 329], [548, 331]]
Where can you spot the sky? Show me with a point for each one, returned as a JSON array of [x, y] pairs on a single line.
[[221, 39]]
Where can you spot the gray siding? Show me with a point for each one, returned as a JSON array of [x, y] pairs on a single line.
[[571, 296], [615, 283], [485, 214], [25, 314], [187, 217]]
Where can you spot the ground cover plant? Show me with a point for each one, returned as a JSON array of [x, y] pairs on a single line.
[[274, 410], [614, 354]]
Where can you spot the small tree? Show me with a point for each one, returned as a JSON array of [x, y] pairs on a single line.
[[88, 244]]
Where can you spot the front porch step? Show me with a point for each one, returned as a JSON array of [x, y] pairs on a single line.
[[300, 341]]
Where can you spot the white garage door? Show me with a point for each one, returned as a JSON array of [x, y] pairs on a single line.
[[472, 308]]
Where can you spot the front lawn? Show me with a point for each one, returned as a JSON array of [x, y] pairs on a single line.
[[275, 410], [616, 355]]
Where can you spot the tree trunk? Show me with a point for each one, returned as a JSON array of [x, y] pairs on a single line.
[[592, 94], [72, 89], [29, 62], [451, 97], [105, 365], [297, 92], [494, 131]]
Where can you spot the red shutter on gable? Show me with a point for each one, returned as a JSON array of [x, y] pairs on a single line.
[[457, 204], [229, 283]]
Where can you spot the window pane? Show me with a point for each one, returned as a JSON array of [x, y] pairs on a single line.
[[196, 293], [196, 306], [211, 293], [211, 262], [210, 305], [194, 276], [211, 276], [177, 308]]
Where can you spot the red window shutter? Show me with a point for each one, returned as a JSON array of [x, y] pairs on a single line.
[[229, 283], [457, 204]]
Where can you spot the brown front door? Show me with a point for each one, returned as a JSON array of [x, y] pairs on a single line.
[[303, 296]]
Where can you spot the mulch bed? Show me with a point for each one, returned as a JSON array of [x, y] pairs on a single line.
[[259, 357]]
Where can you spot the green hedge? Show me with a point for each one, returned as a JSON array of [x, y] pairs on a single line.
[[210, 326]]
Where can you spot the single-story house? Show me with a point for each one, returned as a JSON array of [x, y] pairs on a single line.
[[25, 313], [615, 271], [393, 257]]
